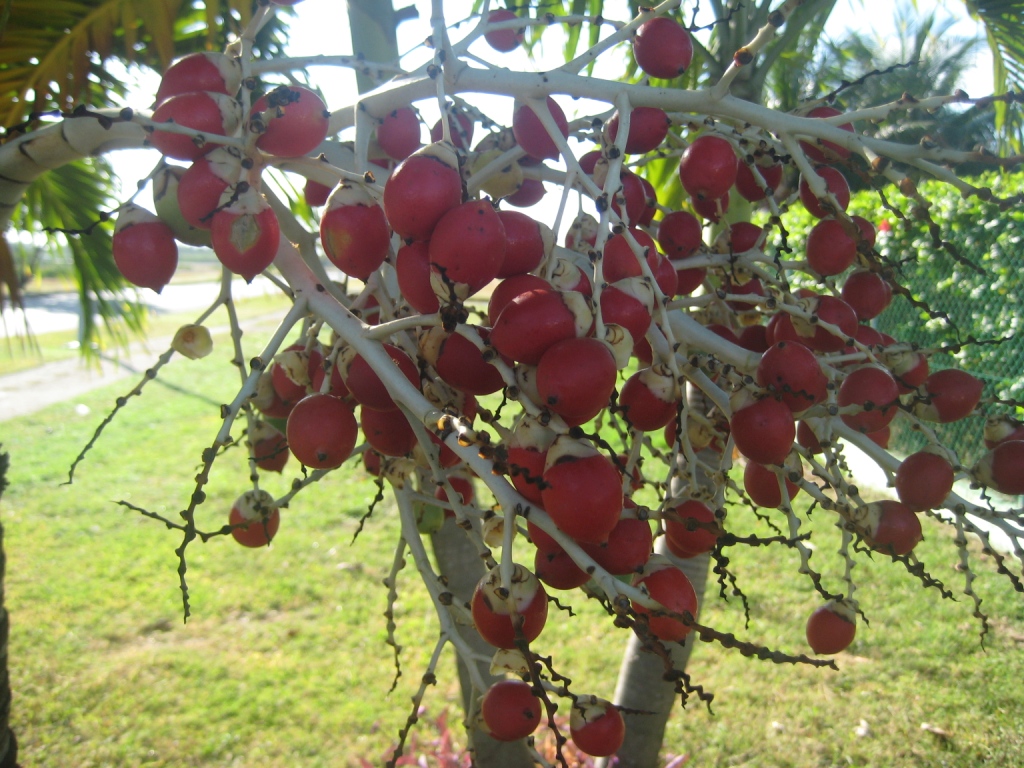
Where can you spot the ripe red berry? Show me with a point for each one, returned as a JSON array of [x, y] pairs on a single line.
[[874, 391], [531, 134], [831, 628], [948, 395], [422, 189], [648, 127], [202, 111], [354, 231], [830, 248], [144, 249], [662, 48], [291, 121], [466, 250], [669, 586], [826, 151], [492, 609], [890, 527], [245, 234], [923, 480], [793, 374], [204, 71], [596, 726], [835, 183], [685, 537], [575, 378], [504, 40], [708, 167], [321, 431], [254, 519], [399, 133], [764, 430], [583, 490], [1002, 468], [748, 186]]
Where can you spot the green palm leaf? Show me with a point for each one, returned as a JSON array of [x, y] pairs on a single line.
[[1004, 28]]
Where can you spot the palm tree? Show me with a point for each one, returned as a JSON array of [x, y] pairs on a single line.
[[53, 58]]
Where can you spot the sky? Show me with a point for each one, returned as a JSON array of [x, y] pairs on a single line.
[[321, 27]]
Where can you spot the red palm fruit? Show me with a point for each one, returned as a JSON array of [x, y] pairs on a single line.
[[245, 233], [388, 432], [527, 455], [763, 430], [910, 369], [511, 287], [628, 547], [629, 303], [466, 250], [569, 276], [792, 372], [948, 395], [762, 484], [463, 487], [460, 127], [686, 537], [507, 39], [748, 186], [354, 231], [1002, 468], [204, 71], [533, 321], [619, 259], [830, 248], [665, 275], [492, 609], [289, 373], [315, 194], [880, 437], [555, 568], [596, 726], [165, 202], [648, 127], [530, 192], [874, 390], [291, 121], [867, 292], [807, 438], [422, 189], [363, 382], [825, 151], [825, 310], [1000, 429], [144, 248], [712, 208], [399, 133], [583, 490], [739, 237], [630, 200], [412, 265], [254, 519], [575, 378], [458, 361], [754, 338], [662, 48], [867, 230], [835, 183], [531, 134], [831, 628], [649, 398], [509, 708], [527, 242], [321, 431], [204, 182], [206, 112], [269, 447], [923, 480], [669, 586], [891, 527], [708, 167]]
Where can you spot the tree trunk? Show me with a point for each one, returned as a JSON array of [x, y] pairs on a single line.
[[642, 685], [8, 744], [458, 561]]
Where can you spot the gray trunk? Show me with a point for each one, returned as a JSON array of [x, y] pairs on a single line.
[[8, 744], [642, 686], [457, 560]]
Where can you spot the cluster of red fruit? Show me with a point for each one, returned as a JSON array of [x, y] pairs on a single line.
[[562, 325]]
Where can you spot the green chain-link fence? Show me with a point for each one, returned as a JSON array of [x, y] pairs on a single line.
[[981, 293]]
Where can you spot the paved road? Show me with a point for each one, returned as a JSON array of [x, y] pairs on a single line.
[[28, 391]]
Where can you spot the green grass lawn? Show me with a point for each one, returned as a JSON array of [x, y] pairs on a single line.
[[284, 661]]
